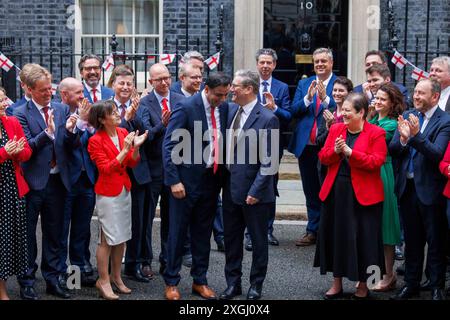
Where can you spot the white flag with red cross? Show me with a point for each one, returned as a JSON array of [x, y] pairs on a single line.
[[166, 58], [213, 61], [5, 63], [399, 60], [108, 65], [418, 74]]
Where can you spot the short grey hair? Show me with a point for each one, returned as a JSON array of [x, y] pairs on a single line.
[[327, 51], [185, 67], [442, 60], [249, 78], [267, 52], [192, 55], [435, 85]]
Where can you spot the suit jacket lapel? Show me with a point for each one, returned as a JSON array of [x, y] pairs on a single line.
[[87, 94], [154, 104], [108, 142], [36, 114], [201, 111], [447, 106], [232, 109], [433, 121], [253, 116]]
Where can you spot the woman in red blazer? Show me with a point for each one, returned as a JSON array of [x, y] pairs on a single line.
[[14, 149], [444, 167], [112, 149], [350, 238]]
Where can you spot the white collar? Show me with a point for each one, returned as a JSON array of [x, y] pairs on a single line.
[[269, 81], [90, 89], [160, 97], [118, 104], [325, 83], [247, 109], [39, 106], [186, 94], [430, 112]]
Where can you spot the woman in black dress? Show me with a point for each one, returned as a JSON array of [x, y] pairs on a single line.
[[350, 242], [13, 228]]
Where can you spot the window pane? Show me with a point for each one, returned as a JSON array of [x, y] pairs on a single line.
[[148, 46], [147, 16], [120, 17], [125, 44], [93, 45], [93, 15]]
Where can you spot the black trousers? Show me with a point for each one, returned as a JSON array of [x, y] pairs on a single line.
[[423, 225]]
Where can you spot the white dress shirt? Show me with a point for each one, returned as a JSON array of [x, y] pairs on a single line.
[[445, 95], [159, 97], [207, 106], [98, 91]]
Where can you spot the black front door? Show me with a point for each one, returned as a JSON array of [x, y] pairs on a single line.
[[295, 28]]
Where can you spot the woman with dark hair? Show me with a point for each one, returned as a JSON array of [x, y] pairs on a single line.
[[389, 104], [350, 242], [341, 88], [14, 149], [112, 149]]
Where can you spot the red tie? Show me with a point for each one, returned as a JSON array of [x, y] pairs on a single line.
[[164, 104], [215, 141], [45, 110], [313, 134], [95, 96]]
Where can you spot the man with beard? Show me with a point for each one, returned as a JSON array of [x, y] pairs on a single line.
[[91, 71]]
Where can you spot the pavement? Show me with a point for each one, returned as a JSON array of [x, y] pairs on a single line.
[[290, 274]]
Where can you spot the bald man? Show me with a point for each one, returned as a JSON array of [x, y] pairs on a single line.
[[155, 110], [80, 201]]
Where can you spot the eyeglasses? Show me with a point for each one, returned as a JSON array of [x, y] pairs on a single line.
[[196, 78], [165, 79], [95, 68], [237, 85]]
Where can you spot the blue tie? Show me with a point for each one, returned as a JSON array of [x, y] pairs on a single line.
[[265, 84], [412, 151]]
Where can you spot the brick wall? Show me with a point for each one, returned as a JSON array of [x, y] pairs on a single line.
[[417, 17], [175, 27]]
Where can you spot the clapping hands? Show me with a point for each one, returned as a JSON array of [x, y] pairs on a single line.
[[340, 146], [14, 146]]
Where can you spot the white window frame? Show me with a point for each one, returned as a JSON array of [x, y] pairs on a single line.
[[79, 35]]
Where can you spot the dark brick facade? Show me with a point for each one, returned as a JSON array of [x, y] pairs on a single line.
[[175, 27], [416, 28]]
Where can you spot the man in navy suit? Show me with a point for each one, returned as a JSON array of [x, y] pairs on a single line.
[[273, 95], [154, 110], [190, 80], [194, 178], [91, 71], [80, 200], [249, 190], [377, 57], [27, 96], [193, 58], [312, 96], [48, 128], [419, 143], [139, 253]]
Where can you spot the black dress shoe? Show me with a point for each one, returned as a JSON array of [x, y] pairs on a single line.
[[87, 280], [405, 293], [366, 297], [187, 260], [272, 240], [58, 291], [136, 274], [231, 292], [334, 296], [425, 286], [28, 293], [254, 292], [220, 246], [248, 245], [437, 294]]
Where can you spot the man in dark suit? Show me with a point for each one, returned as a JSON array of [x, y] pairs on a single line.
[[190, 80], [312, 96], [249, 190], [48, 129], [27, 96], [194, 178], [154, 110], [419, 144], [91, 71], [80, 200], [193, 58], [139, 253], [377, 57], [273, 95], [440, 71]]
